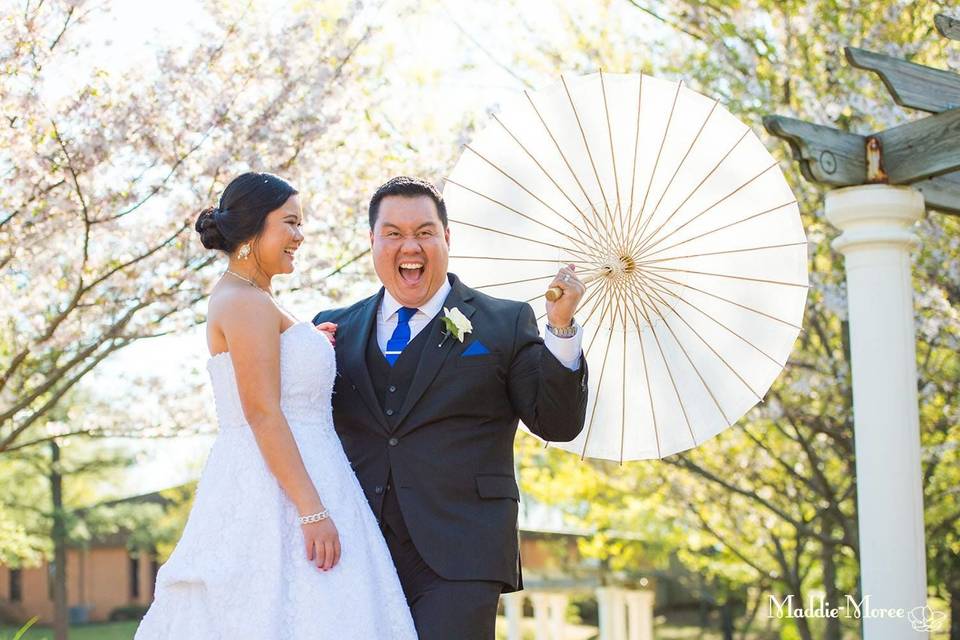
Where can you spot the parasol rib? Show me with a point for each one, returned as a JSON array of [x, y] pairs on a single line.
[[549, 177], [726, 226], [666, 364], [707, 345], [586, 146], [603, 368], [613, 156], [633, 311], [603, 314], [566, 162], [513, 180], [513, 235], [649, 242], [717, 253], [547, 260], [727, 275], [636, 145], [643, 240], [623, 388], [577, 242], [654, 275], [663, 193], [549, 276], [696, 370], [503, 284], [656, 165], [690, 304]]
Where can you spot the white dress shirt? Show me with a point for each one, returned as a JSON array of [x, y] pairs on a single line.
[[566, 350]]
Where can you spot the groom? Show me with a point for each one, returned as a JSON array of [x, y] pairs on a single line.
[[428, 421]]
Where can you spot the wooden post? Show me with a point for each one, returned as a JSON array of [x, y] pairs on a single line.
[[513, 608]]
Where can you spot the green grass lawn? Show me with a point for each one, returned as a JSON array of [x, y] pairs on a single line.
[[105, 631]]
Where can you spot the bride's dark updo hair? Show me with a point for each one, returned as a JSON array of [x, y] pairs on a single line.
[[244, 206]]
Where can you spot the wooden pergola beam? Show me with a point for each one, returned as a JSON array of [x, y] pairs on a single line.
[[924, 153], [837, 158], [825, 154], [941, 193], [911, 85], [924, 148], [947, 26]]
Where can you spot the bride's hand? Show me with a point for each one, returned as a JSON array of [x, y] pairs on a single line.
[[329, 329], [323, 543]]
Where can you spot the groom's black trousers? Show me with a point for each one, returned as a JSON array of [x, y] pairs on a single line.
[[442, 609]]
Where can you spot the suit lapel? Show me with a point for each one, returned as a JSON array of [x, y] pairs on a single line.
[[433, 356], [352, 346]]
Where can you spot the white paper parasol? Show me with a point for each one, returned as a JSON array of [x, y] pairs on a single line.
[[685, 228]]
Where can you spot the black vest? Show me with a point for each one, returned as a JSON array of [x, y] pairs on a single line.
[[391, 385]]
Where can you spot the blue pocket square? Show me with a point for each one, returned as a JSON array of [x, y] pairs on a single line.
[[476, 348]]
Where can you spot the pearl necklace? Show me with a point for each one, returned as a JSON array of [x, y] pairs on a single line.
[[250, 282], [254, 284]]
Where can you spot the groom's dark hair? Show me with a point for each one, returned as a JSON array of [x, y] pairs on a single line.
[[410, 188]]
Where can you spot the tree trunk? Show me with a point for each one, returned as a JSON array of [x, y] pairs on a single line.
[[726, 618], [703, 612], [954, 588], [61, 629], [833, 630], [801, 622]]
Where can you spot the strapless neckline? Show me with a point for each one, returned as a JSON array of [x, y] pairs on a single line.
[[282, 334]]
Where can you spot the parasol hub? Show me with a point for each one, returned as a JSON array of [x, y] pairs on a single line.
[[617, 267]]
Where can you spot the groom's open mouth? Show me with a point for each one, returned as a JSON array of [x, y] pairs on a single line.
[[411, 272]]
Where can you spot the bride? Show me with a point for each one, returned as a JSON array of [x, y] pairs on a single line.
[[280, 542]]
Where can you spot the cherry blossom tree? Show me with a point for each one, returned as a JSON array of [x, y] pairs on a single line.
[[102, 183]]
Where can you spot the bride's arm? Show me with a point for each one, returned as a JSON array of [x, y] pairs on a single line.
[[251, 327]]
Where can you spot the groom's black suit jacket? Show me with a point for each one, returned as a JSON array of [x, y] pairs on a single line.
[[449, 448]]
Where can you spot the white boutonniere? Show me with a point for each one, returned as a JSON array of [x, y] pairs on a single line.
[[457, 325]]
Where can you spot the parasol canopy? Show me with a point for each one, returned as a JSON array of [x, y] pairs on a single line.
[[683, 227]]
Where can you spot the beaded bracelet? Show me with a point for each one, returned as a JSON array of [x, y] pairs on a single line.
[[314, 517]]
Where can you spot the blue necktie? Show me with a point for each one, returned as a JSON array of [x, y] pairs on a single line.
[[401, 335]]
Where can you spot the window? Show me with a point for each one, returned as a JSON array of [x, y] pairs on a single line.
[[16, 585], [51, 578], [154, 568], [134, 576]]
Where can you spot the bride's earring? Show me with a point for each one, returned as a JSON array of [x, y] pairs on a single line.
[[244, 252]]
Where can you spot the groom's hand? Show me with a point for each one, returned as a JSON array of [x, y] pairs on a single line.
[[328, 329], [560, 313]]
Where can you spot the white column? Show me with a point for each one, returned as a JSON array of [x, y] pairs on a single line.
[[605, 612], [620, 615], [639, 615], [612, 612], [541, 615], [513, 610], [558, 615], [876, 221]]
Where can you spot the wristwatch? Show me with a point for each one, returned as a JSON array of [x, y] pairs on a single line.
[[564, 332]]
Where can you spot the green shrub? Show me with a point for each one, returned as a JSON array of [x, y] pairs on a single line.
[[128, 612]]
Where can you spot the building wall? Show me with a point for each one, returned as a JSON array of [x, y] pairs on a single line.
[[99, 577]]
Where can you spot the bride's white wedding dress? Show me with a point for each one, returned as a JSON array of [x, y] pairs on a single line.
[[240, 569]]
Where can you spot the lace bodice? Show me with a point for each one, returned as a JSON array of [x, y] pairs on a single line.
[[307, 372]]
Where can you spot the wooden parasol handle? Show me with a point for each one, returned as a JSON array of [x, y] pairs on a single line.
[[555, 293]]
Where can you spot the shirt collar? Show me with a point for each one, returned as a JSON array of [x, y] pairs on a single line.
[[430, 308]]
